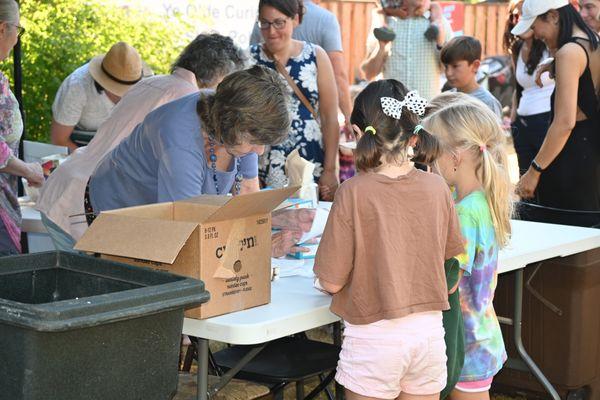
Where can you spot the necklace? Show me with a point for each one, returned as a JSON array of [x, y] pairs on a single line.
[[237, 185]]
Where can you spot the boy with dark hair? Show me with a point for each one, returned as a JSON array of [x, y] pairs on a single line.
[[461, 57]]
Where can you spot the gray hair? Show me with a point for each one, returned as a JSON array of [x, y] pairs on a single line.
[[211, 57], [248, 106], [9, 11]]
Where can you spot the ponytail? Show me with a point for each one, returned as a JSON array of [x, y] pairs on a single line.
[[496, 186], [367, 155], [428, 147]]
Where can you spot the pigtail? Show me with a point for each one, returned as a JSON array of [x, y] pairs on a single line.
[[367, 155], [496, 186], [428, 147]]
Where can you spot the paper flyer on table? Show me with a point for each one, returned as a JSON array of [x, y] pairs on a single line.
[[318, 225]]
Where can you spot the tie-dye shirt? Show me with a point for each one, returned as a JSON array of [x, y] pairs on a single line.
[[484, 346]]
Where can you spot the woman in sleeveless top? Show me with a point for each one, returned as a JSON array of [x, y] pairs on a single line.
[[565, 173], [530, 111], [310, 70]]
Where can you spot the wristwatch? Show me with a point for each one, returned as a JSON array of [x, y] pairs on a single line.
[[536, 166]]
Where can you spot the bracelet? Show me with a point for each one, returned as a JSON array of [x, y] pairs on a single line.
[[536, 166]]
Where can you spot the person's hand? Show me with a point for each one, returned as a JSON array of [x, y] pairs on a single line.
[[34, 175], [285, 242], [300, 219], [400, 12], [348, 131], [528, 183], [544, 66], [328, 184], [436, 13]]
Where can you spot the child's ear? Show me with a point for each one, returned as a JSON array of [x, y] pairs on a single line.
[[475, 65], [296, 21]]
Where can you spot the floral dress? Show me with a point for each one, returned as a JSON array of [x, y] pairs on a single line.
[[305, 134], [11, 128]]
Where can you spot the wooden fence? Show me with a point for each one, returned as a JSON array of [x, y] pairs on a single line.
[[484, 21]]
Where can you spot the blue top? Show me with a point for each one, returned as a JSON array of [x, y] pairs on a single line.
[[162, 160]]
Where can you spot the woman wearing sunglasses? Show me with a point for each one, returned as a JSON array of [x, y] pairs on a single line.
[[308, 73]]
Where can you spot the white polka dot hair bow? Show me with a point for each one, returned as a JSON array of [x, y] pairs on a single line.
[[413, 102]]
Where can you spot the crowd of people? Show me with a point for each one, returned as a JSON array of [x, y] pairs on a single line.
[[432, 195]]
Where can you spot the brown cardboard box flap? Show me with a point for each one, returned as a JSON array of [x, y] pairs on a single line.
[[141, 238], [262, 202], [208, 199], [154, 211]]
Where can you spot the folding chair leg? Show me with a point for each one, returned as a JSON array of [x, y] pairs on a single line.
[[328, 393], [190, 355], [321, 386], [299, 390]]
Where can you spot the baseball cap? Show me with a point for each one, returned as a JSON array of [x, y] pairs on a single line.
[[531, 9]]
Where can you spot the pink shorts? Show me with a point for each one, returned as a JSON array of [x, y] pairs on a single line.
[[475, 386], [388, 357]]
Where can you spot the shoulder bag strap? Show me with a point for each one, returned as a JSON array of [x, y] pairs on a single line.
[[281, 69]]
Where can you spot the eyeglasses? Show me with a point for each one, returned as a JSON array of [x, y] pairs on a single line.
[[266, 25], [20, 30]]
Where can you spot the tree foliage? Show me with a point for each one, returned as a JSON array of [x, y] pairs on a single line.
[[64, 34]]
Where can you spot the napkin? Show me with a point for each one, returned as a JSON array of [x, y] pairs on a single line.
[[300, 173]]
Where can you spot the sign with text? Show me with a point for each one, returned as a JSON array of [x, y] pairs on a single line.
[[233, 18]]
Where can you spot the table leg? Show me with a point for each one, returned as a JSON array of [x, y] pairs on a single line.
[[337, 340], [202, 369], [517, 322]]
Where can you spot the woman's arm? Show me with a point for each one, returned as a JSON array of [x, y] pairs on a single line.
[[33, 172], [330, 128], [60, 135], [373, 65], [570, 63]]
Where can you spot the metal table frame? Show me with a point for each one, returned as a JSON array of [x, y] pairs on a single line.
[[531, 243], [525, 363]]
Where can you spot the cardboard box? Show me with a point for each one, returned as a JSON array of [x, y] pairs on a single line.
[[224, 241]]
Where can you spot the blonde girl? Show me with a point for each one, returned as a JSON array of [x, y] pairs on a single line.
[[473, 161], [383, 249]]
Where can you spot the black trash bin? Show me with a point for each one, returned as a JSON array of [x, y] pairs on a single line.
[[75, 327]]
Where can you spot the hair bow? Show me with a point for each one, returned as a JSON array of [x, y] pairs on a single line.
[[412, 101]]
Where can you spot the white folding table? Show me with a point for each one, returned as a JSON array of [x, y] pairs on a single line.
[[296, 306]]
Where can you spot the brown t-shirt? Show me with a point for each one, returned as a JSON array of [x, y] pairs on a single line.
[[385, 241]]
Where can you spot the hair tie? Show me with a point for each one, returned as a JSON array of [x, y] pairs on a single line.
[[370, 129], [417, 129], [482, 147]]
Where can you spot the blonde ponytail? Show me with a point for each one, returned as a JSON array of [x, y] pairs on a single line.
[[496, 186], [471, 126]]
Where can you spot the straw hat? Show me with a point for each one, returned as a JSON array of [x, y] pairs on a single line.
[[119, 69]]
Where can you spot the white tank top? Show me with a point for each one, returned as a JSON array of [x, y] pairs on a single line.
[[534, 100]]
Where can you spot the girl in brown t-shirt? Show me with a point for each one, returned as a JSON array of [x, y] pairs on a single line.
[[383, 249]]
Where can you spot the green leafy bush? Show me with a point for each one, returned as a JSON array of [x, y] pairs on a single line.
[[64, 34]]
